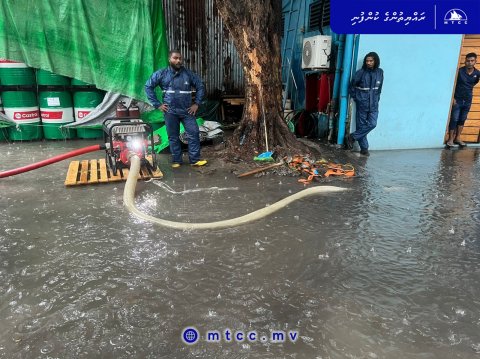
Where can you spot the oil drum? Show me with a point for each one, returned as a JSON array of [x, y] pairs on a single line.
[[20, 105], [85, 102]]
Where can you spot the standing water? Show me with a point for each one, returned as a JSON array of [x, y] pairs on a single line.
[[388, 269]]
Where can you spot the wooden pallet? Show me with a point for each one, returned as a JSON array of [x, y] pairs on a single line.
[[96, 171]]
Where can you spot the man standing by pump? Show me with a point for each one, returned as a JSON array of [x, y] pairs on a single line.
[[176, 82]]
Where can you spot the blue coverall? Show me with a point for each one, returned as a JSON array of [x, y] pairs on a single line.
[[177, 94], [365, 89]]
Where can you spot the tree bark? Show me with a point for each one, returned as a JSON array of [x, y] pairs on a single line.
[[255, 29]]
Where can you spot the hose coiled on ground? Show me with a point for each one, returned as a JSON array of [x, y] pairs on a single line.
[[129, 202]]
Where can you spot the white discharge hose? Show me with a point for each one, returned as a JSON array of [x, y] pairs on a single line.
[[129, 201]]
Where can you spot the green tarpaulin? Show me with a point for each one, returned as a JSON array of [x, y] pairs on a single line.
[[113, 44]]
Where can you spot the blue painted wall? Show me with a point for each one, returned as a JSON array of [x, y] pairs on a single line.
[[419, 75]]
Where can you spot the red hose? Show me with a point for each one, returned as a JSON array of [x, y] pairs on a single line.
[[51, 160]]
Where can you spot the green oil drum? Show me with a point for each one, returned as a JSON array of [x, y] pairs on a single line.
[[85, 102], [56, 111], [3, 134], [3, 130], [16, 73], [22, 107], [76, 82], [49, 78]]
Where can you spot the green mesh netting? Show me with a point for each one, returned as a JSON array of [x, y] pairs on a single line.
[[113, 44]]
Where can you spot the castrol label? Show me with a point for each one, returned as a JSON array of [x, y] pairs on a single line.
[[63, 115], [23, 114], [81, 113], [4, 63]]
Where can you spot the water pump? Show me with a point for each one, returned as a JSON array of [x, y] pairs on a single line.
[[124, 137]]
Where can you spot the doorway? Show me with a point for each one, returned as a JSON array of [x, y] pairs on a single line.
[[471, 130]]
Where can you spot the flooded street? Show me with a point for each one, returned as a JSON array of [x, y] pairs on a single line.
[[388, 269]]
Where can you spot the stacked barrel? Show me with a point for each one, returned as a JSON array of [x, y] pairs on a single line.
[[3, 130], [20, 103], [3, 136], [56, 107], [85, 99]]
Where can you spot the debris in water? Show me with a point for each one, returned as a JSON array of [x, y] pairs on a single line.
[[476, 348]]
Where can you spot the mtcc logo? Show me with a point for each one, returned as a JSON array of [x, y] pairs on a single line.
[[455, 16]]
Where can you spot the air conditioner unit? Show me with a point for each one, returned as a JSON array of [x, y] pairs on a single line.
[[316, 52]]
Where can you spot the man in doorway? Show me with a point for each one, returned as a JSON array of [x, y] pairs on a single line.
[[365, 89], [176, 82], [467, 77]]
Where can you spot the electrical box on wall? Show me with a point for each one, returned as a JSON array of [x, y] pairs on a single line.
[[316, 52]]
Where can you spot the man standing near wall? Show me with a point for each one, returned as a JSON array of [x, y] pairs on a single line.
[[468, 76], [176, 82], [365, 89]]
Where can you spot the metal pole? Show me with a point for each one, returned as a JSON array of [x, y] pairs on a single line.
[[347, 66], [264, 120]]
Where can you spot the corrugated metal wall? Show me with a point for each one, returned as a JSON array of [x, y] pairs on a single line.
[[195, 28]]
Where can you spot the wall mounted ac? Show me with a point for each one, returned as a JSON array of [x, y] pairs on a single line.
[[316, 52]]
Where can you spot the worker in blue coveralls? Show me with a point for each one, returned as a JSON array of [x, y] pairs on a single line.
[[468, 76], [365, 89], [176, 82]]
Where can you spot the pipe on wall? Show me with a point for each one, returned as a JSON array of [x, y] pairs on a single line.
[[339, 41], [355, 53], [344, 84]]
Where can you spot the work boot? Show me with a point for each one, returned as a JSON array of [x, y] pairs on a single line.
[[349, 141], [199, 163], [364, 152]]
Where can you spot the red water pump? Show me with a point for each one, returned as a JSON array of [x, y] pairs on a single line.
[[125, 137]]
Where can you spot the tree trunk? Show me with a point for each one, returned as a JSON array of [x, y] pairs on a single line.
[[255, 29]]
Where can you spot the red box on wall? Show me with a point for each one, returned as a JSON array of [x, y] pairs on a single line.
[[318, 91]]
